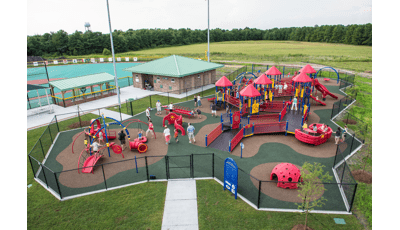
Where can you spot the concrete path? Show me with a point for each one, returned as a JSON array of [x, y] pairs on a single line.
[[126, 93], [180, 210]]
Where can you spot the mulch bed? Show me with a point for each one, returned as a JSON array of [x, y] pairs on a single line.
[[69, 160], [263, 172], [349, 121], [362, 176], [300, 227], [79, 124]]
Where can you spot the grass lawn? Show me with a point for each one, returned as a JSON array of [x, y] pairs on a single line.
[[358, 58], [218, 209]]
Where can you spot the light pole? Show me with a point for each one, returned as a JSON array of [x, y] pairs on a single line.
[[208, 31], [113, 56]]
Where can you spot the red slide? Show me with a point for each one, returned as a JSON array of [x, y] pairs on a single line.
[[323, 89], [315, 99], [90, 161]]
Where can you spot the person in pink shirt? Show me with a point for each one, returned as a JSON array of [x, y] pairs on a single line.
[[150, 129]]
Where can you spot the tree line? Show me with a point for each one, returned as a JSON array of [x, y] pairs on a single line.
[[58, 43]]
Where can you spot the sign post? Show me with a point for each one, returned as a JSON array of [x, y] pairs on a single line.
[[231, 176]]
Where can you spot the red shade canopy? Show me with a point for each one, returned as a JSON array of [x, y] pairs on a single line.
[[308, 69], [223, 82], [273, 71], [250, 91], [302, 78], [263, 80]]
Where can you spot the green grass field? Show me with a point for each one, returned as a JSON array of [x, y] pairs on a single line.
[[357, 58], [218, 209]]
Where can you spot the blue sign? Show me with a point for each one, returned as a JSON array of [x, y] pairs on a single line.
[[231, 176]]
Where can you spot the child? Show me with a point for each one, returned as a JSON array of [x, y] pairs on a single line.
[[167, 135], [95, 146], [337, 136], [100, 137], [344, 131], [140, 135], [171, 107], [176, 135], [150, 129], [121, 138]]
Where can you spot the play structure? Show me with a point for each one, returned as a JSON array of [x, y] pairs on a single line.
[[259, 113], [286, 173], [175, 119], [313, 137], [87, 159], [181, 110]]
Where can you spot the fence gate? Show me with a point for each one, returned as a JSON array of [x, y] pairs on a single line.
[[179, 166]]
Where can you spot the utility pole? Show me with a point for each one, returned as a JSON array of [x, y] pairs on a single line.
[[208, 31], [113, 56]]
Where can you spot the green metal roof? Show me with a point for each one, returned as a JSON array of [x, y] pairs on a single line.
[[82, 81], [174, 66]]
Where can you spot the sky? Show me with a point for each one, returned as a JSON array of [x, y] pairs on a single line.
[[44, 16]]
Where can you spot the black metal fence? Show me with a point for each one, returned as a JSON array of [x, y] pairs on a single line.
[[347, 182], [173, 167]]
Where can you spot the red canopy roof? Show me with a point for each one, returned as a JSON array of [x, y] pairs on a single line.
[[302, 78], [273, 71], [308, 69], [223, 82], [263, 80], [250, 91]]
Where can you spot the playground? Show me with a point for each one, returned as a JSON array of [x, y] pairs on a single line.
[[267, 131]]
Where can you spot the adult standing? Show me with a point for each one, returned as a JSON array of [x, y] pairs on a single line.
[[195, 101], [344, 131], [294, 104], [190, 130], [121, 138], [148, 114], [337, 135], [158, 106], [199, 100], [213, 109]]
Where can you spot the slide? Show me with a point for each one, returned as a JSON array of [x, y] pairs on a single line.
[[323, 89], [315, 99], [90, 161], [179, 127]]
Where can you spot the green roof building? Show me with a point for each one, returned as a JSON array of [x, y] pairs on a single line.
[[173, 73]]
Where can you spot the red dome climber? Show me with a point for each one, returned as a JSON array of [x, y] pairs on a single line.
[[286, 172], [250, 91], [302, 78]]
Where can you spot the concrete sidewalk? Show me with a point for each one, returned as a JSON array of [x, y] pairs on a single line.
[[180, 210], [126, 93]]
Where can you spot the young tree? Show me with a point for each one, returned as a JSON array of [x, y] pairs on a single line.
[[106, 52], [311, 188]]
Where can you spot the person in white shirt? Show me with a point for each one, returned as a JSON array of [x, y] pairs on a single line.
[[285, 86], [190, 131], [158, 105], [171, 107], [101, 137], [199, 100], [95, 146], [167, 135], [148, 114]]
